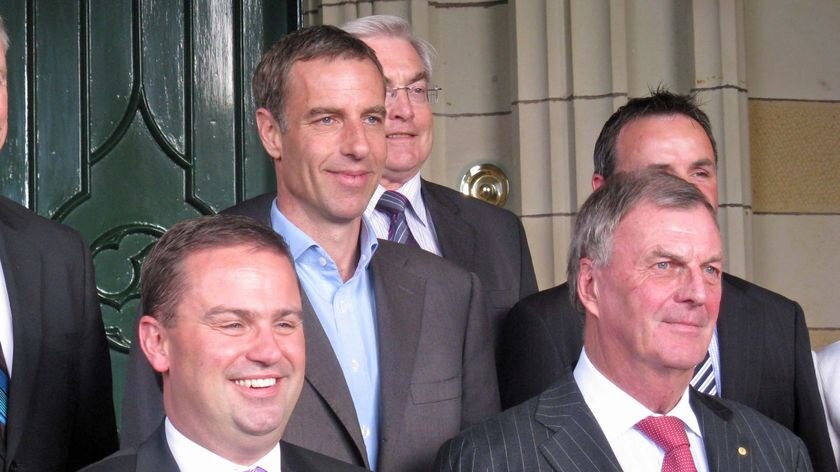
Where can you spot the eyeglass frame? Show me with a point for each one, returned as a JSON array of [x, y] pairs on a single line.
[[431, 94]]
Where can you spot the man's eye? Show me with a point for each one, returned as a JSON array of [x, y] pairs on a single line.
[[288, 325], [327, 120], [663, 265], [372, 120], [418, 90], [712, 270]]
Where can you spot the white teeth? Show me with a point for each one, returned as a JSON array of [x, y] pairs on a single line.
[[256, 383]]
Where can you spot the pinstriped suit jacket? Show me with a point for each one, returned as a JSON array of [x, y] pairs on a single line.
[[556, 431]]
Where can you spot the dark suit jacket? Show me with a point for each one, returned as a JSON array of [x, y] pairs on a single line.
[[557, 431], [153, 455], [61, 410], [486, 240], [765, 356], [437, 373]]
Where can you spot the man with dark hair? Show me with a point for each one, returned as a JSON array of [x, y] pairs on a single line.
[[645, 264], [56, 405], [481, 238], [223, 327], [397, 341], [759, 354]]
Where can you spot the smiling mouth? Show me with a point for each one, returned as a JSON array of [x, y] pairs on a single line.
[[256, 383], [398, 135]]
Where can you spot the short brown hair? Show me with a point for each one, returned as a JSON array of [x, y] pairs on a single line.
[[271, 79], [161, 280]]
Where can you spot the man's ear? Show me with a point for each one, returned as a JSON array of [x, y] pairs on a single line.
[[587, 286], [154, 340], [270, 133], [597, 181]]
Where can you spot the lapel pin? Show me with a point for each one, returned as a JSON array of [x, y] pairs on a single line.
[[742, 451]]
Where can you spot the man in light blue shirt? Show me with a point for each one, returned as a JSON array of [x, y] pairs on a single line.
[[399, 355]]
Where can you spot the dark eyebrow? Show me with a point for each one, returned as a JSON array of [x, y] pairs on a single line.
[[705, 162], [219, 310], [322, 111], [377, 110]]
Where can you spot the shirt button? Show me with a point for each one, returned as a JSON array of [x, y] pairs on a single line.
[[365, 432], [354, 365], [322, 261]]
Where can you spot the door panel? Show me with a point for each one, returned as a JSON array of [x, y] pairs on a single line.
[[127, 116]]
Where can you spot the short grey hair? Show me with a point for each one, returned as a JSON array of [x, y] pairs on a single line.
[[393, 27], [600, 215], [4, 36]]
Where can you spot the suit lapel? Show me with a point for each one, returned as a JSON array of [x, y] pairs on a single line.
[[739, 336], [578, 442], [722, 441], [399, 316], [154, 454], [22, 272], [456, 238], [328, 379]]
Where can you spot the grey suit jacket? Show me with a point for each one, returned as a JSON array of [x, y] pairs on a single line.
[[153, 455], [437, 373], [61, 409], [765, 356], [557, 431], [486, 240]]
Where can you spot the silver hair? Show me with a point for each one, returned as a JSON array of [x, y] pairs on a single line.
[[600, 215], [393, 27], [4, 36]]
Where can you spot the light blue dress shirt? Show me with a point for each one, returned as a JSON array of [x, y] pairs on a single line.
[[347, 313]]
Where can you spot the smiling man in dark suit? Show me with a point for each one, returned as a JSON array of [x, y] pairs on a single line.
[[398, 349], [760, 352], [223, 327], [645, 267], [481, 238], [57, 411]]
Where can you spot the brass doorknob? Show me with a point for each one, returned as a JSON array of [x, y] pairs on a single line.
[[486, 182]]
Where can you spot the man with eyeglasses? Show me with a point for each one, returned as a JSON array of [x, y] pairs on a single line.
[[481, 238]]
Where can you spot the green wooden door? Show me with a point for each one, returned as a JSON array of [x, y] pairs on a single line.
[[126, 116]]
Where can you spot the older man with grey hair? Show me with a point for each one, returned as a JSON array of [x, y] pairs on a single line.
[[481, 238], [645, 265], [56, 407]]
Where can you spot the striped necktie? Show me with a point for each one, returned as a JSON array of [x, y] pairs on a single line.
[[4, 392], [704, 377], [393, 204]]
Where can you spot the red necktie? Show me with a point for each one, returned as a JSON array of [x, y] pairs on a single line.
[[668, 432]]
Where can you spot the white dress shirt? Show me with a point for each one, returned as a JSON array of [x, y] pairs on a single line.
[[617, 413], [7, 340], [192, 457], [417, 217]]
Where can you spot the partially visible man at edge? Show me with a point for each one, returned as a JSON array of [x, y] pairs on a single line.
[[398, 343], [481, 238], [760, 352], [55, 369], [223, 327]]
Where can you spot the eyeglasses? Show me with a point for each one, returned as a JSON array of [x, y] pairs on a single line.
[[416, 94]]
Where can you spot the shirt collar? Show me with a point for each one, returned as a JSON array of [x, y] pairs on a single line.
[[615, 410], [411, 189], [299, 242], [192, 457]]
